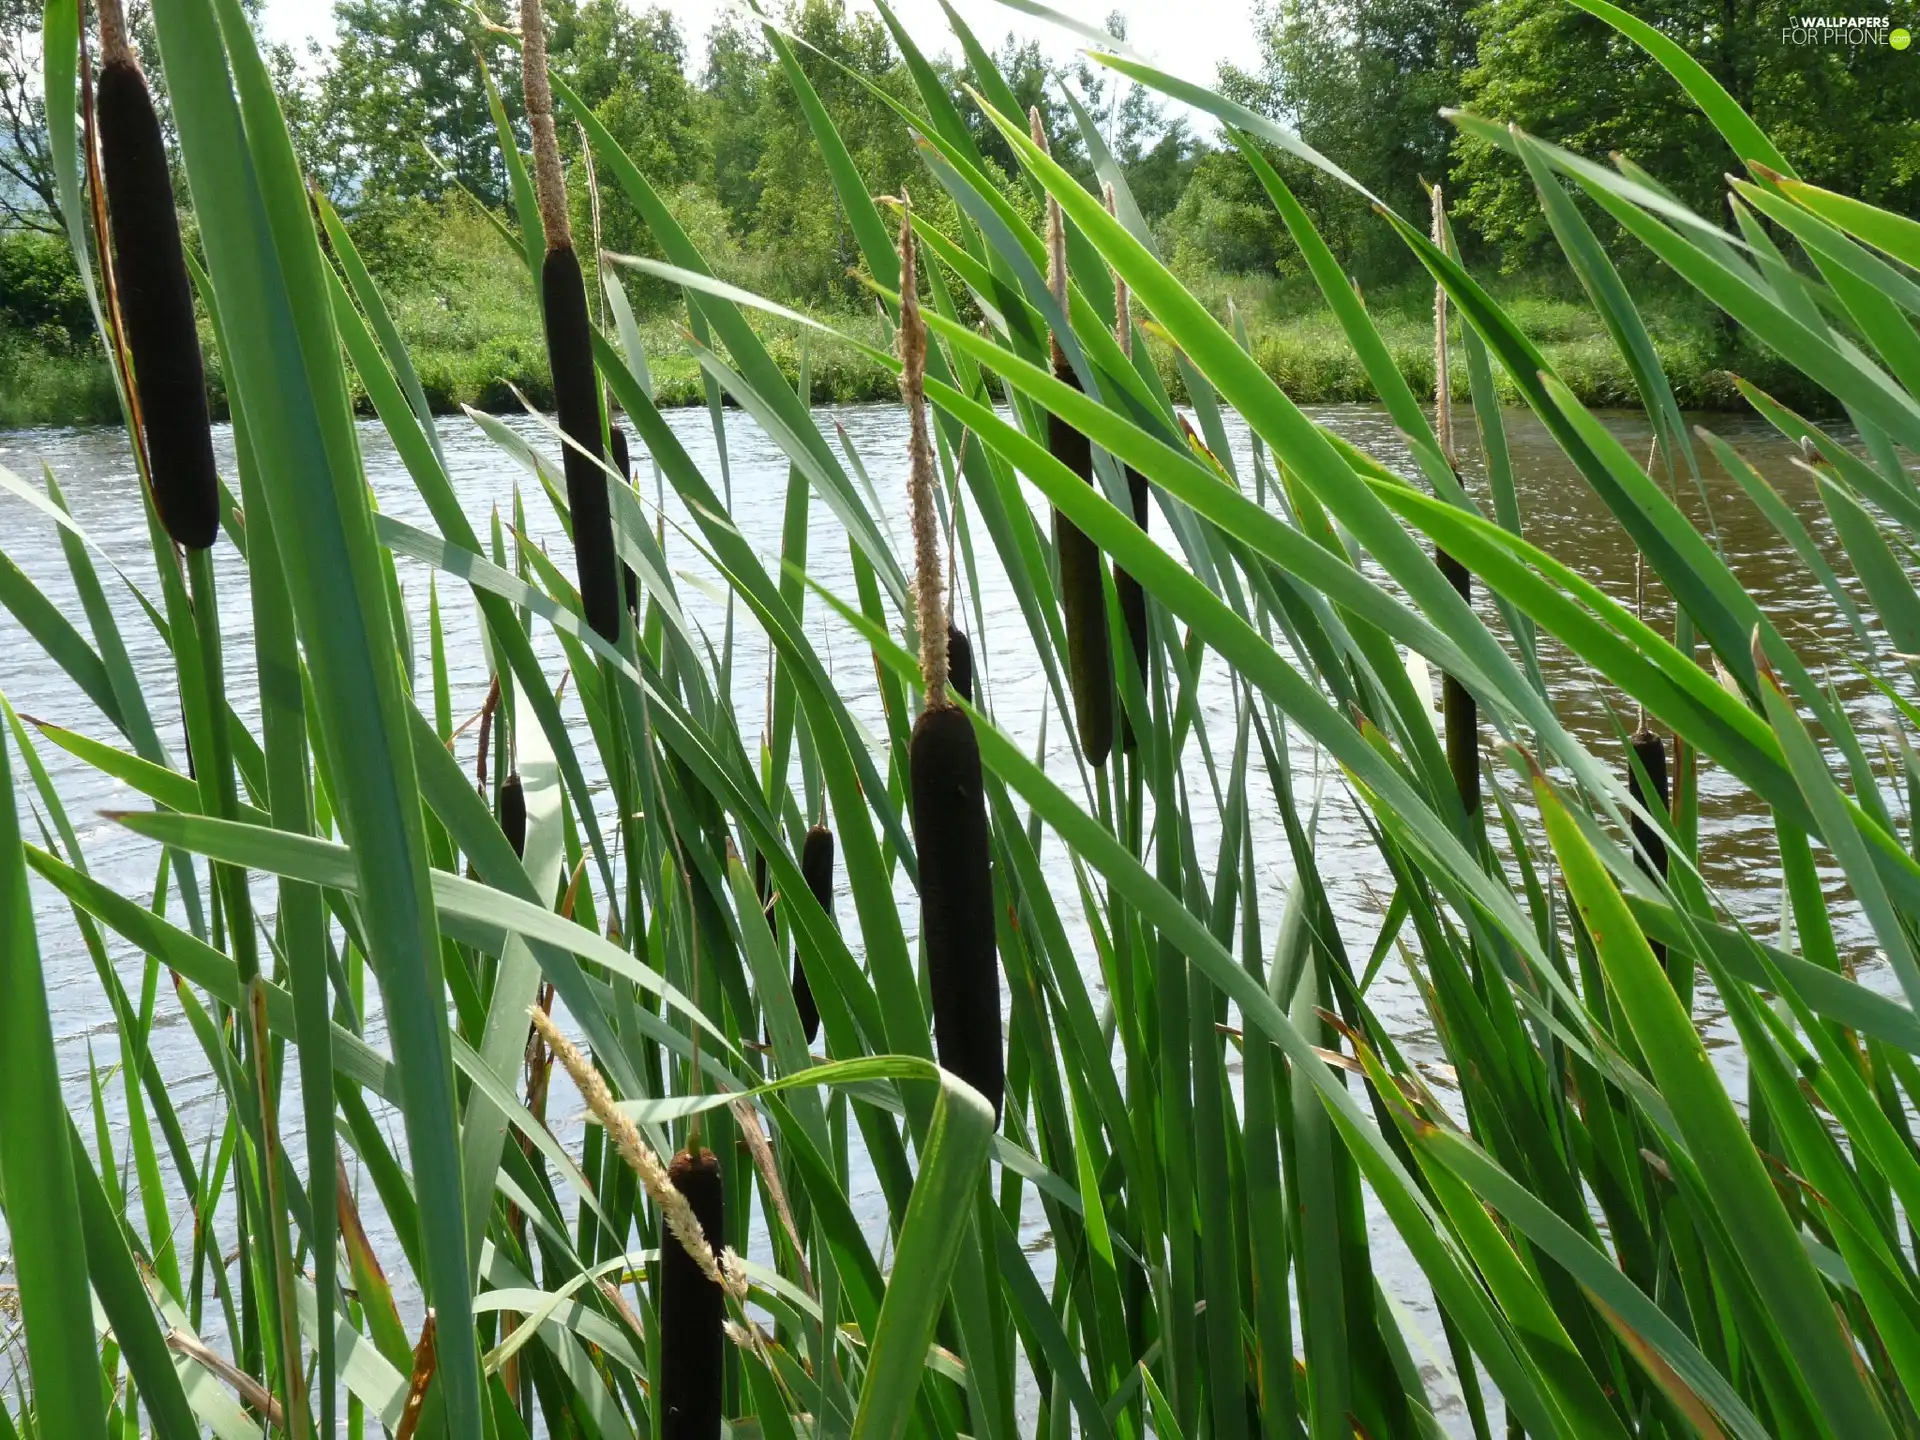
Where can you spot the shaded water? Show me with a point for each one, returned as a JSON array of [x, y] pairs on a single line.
[[1561, 514]]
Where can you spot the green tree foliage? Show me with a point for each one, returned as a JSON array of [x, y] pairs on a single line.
[[41, 297], [1363, 81], [1848, 115], [796, 211], [402, 106]]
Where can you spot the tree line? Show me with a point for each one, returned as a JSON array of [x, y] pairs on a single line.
[[392, 119]]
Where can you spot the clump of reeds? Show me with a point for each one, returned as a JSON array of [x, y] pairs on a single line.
[[623, 466], [816, 868], [697, 1274], [155, 298], [1082, 591], [1133, 600], [576, 396], [513, 813], [949, 794]]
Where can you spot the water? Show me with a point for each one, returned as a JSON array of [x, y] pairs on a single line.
[[1562, 515]]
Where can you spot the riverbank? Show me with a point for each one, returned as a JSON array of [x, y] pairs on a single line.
[[474, 340]]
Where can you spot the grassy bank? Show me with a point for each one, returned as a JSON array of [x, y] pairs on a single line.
[[466, 310]]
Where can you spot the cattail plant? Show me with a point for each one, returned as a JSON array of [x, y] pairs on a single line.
[[816, 868], [155, 300], [1082, 592], [1133, 600], [513, 813], [1459, 713], [949, 795], [576, 396], [623, 466]]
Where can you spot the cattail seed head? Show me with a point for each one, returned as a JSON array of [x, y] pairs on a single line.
[[1133, 600], [930, 606], [960, 663], [1083, 599], [1650, 751], [576, 398], [693, 1311], [156, 302], [956, 898], [513, 813], [816, 868], [1460, 713], [623, 464]]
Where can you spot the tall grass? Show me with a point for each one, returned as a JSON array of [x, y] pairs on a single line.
[[1201, 1101]]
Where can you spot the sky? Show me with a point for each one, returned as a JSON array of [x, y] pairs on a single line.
[[1187, 37]]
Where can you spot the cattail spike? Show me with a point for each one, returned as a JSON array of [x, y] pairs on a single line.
[[1122, 298], [816, 868], [1648, 752], [693, 1311], [960, 663], [956, 898], [1461, 716], [155, 296], [549, 182], [513, 814], [623, 463], [114, 44], [930, 607]]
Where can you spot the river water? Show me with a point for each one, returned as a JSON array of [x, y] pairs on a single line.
[[1561, 514]]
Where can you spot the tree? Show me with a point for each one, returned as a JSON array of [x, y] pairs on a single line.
[[1363, 82], [403, 81], [631, 68], [28, 198], [1846, 115], [797, 213], [735, 83]]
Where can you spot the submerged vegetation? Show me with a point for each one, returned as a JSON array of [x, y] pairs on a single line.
[[1087, 1027]]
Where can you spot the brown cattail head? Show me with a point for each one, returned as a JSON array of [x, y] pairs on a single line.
[[513, 813], [156, 300], [623, 465], [1650, 755], [1083, 599], [576, 398], [956, 898], [816, 868], [930, 607], [1460, 714], [1133, 600], [693, 1310], [960, 662]]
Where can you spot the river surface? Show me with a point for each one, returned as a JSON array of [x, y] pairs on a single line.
[[1560, 512]]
